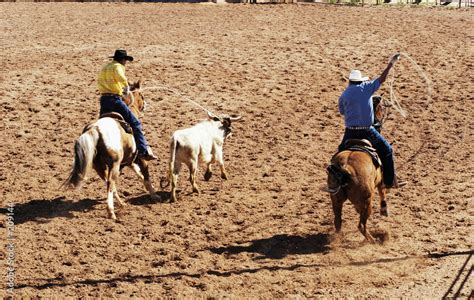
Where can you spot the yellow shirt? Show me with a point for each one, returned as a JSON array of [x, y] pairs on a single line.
[[112, 78]]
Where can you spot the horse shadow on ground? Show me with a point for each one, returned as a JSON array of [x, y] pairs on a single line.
[[43, 210], [48, 283], [279, 246], [145, 199], [165, 197]]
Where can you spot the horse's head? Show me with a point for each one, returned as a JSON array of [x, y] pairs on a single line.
[[379, 112], [135, 100]]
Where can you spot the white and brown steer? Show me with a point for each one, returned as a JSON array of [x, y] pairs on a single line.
[[200, 143]]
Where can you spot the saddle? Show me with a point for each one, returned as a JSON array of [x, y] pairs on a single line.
[[363, 146], [118, 117]]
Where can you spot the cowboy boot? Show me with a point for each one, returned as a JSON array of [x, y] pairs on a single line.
[[148, 155]]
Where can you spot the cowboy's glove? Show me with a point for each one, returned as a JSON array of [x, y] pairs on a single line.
[[394, 58]]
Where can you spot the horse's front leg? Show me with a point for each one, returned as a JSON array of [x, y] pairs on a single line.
[[141, 169], [117, 197]]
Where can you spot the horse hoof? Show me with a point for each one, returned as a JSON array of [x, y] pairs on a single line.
[[224, 176]]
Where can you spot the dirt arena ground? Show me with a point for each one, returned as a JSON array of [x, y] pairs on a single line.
[[267, 232]]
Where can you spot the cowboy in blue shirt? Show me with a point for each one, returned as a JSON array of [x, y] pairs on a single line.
[[355, 104]]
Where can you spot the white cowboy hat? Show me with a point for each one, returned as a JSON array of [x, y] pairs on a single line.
[[356, 75]]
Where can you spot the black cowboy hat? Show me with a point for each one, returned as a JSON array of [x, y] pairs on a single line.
[[121, 54]]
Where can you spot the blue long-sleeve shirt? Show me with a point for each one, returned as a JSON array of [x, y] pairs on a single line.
[[356, 105]]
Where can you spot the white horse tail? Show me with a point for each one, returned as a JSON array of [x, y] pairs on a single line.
[[84, 153]]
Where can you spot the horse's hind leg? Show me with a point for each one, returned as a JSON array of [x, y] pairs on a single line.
[[383, 202], [110, 200], [364, 215], [337, 202], [112, 189]]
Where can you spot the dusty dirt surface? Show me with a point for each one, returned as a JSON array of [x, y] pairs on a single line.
[[268, 231]]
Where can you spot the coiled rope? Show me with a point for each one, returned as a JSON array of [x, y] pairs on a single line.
[[393, 101]]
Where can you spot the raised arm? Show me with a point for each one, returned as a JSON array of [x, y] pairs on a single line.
[[385, 72]]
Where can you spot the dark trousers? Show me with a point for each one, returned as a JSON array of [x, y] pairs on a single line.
[[116, 104], [384, 149]]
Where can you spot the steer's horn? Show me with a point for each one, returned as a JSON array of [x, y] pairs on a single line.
[[212, 116], [236, 118]]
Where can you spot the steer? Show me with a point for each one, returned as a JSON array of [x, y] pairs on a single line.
[[201, 143]]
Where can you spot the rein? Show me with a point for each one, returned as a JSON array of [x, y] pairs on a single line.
[[132, 98], [132, 102]]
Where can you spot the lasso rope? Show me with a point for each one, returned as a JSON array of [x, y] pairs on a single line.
[[392, 102], [395, 104], [393, 99], [162, 87]]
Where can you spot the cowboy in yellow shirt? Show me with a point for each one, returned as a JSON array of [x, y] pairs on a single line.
[[112, 85]]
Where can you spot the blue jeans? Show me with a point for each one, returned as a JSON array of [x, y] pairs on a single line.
[[116, 104], [384, 149]]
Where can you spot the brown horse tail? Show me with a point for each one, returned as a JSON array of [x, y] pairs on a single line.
[[84, 153], [341, 175]]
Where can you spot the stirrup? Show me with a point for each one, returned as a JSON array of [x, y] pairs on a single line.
[[148, 155], [397, 183]]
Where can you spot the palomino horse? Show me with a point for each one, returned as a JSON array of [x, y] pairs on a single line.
[[353, 175], [107, 147]]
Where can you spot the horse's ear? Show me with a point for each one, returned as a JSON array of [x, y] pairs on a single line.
[[136, 85]]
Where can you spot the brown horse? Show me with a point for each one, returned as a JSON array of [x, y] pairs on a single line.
[[353, 175], [107, 145]]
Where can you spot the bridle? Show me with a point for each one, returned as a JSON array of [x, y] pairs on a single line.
[[379, 108], [132, 105]]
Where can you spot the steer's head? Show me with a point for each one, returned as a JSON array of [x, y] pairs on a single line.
[[225, 122]]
